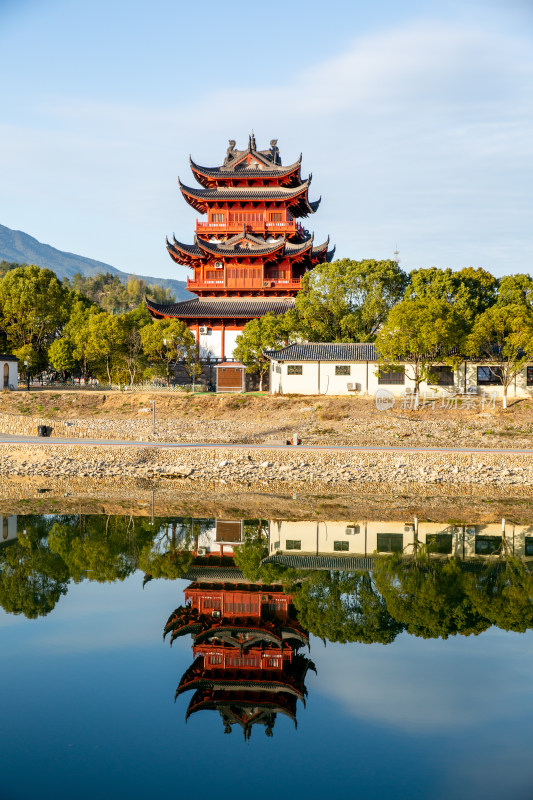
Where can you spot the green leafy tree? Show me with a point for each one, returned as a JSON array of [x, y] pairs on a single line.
[[471, 291], [166, 342], [171, 552], [503, 335], [34, 306], [347, 301], [61, 356], [258, 335], [417, 333], [132, 353], [516, 290], [105, 340]]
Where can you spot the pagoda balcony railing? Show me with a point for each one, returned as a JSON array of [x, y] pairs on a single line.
[[291, 228], [244, 283]]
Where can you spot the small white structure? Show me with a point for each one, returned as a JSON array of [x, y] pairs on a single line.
[[8, 371], [354, 368]]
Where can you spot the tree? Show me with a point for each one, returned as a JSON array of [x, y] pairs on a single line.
[[503, 335], [348, 301], [417, 332], [516, 290], [470, 291], [258, 335], [61, 355], [168, 341], [105, 338], [34, 307], [131, 351]]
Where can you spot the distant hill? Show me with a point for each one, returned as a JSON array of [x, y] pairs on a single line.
[[22, 248]]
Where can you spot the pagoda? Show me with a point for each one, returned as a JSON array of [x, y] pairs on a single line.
[[245, 645], [249, 255]]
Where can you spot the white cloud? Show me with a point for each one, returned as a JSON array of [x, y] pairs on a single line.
[[426, 685]]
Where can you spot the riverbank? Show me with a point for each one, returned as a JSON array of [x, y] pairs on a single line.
[[164, 497], [258, 419], [271, 470]]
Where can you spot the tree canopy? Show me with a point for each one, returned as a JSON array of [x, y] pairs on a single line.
[[347, 301]]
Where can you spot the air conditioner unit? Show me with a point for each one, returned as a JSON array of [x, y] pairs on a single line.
[[202, 551], [216, 614], [203, 329], [219, 265], [470, 530], [351, 530], [409, 528], [353, 387]]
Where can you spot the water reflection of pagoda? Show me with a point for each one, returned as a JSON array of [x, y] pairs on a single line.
[[246, 642]]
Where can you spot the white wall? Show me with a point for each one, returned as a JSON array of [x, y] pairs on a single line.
[[361, 536], [320, 378], [13, 373], [211, 344]]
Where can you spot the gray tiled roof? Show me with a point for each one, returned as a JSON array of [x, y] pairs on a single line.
[[326, 352], [274, 170], [246, 192], [246, 308], [322, 562]]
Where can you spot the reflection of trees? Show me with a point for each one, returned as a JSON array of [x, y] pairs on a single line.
[[428, 597], [502, 593], [344, 607], [100, 548], [170, 553], [32, 576], [252, 550], [36, 567]]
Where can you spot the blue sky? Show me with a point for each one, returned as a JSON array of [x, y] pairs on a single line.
[[415, 118]]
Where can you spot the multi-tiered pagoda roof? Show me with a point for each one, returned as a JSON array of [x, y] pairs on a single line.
[[252, 247]]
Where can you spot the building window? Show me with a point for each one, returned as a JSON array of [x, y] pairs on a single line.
[[390, 542], [530, 376], [441, 376], [342, 369], [487, 545], [529, 546], [391, 377], [294, 369], [218, 218], [440, 543], [276, 216], [341, 547], [489, 376], [293, 544]]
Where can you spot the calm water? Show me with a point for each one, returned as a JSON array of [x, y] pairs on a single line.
[[422, 686]]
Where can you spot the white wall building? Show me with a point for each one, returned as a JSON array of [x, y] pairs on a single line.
[[343, 369], [8, 371], [369, 537]]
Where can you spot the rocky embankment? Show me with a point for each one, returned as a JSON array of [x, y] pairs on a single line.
[[274, 470]]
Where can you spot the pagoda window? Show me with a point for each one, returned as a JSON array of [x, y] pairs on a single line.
[[218, 217], [276, 216], [246, 217]]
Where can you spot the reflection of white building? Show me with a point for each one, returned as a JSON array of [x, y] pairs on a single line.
[[369, 537], [8, 528], [221, 538]]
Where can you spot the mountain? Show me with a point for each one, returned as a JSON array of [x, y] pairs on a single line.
[[22, 248]]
